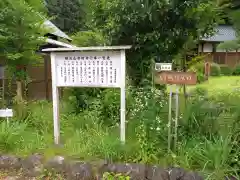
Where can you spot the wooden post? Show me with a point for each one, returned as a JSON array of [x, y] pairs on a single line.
[[19, 91], [170, 119], [176, 118], [55, 99], [123, 99], [46, 77], [226, 57]]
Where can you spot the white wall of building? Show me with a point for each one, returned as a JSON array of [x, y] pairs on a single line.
[[207, 47]]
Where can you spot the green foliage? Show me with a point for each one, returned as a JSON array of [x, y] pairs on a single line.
[[234, 15], [226, 70], [198, 68], [46, 174], [21, 34], [69, 15], [236, 71], [196, 61], [110, 104], [215, 70], [199, 92], [144, 24], [209, 130], [147, 123], [10, 135], [113, 176], [79, 99], [229, 45], [89, 38]]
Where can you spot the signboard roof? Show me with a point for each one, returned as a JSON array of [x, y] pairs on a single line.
[[93, 48]]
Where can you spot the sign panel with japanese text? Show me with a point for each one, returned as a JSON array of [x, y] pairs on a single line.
[[89, 69], [171, 77]]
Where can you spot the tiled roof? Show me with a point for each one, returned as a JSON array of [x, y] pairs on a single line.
[[223, 33], [55, 30]]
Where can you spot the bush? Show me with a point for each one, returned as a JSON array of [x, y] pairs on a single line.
[[198, 68], [226, 70], [77, 100], [199, 91], [236, 71], [89, 38], [215, 70]]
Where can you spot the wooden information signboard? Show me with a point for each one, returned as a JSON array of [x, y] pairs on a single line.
[[88, 67], [171, 77]]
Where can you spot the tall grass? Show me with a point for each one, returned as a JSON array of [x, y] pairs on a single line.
[[209, 131]]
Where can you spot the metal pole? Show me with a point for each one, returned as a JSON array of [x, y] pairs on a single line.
[[170, 118], [176, 119]]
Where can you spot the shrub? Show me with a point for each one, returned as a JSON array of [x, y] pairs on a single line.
[[10, 135], [77, 100], [226, 70], [198, 68], [199, 91], [215, 70], [39, 116], [110, 106], [236, 71]]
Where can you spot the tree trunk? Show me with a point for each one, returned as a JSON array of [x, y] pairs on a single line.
[[19, 96]]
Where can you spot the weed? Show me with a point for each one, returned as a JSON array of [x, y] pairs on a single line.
[[113, 176]]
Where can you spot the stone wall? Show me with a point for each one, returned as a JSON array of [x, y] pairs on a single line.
[[35, 165]]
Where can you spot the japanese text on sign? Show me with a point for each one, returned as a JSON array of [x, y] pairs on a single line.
[[89, 69], [171, 77]]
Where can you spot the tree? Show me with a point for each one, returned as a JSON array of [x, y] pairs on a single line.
[[233, 14], [21, 35], [229, 45], [68, 15], [89, 38], [228, 7], [154, 27]]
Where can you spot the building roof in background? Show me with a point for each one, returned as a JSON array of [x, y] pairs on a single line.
[[55, 30], [59, 43], [223, 33]]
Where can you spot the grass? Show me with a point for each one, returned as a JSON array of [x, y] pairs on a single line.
[[223, 84], [208, 139]]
